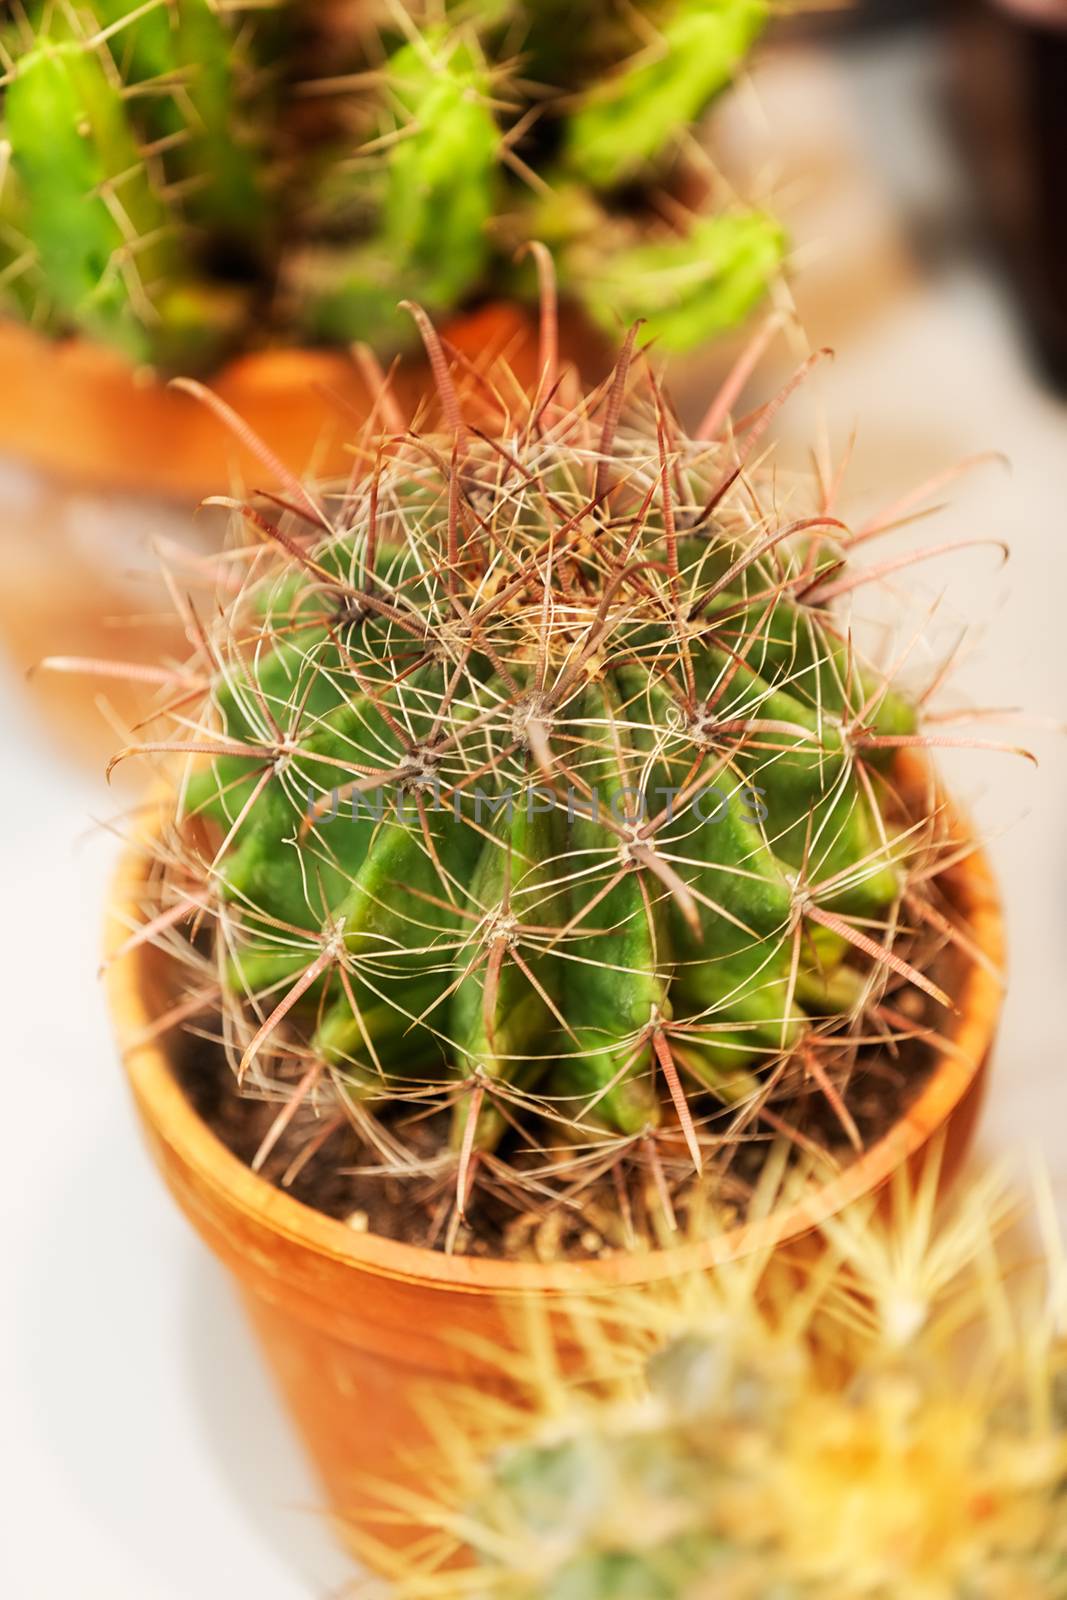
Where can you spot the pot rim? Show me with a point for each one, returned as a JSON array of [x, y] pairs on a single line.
[[172, 1118], [82, 412]]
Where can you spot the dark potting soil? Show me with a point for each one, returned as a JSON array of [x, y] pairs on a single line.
[[637, 1203]]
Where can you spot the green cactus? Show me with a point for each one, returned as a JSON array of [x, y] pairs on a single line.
[[541, 790], [99, 224], [437, 196], [566, 1492], [686, 290], [628, 122], [186, 179], [189, 48]]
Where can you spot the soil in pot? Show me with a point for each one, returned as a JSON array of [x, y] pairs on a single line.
[[529, 1203]]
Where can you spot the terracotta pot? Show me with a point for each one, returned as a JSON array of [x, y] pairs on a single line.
[[79, 412], [356, 1327]]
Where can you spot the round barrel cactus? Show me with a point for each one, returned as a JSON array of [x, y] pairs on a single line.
[[184, 179], [539, 783]]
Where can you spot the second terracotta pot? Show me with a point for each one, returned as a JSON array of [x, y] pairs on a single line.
[[81, 414]]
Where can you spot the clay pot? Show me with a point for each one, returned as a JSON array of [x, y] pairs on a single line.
[[358, 1327], [80, 413]]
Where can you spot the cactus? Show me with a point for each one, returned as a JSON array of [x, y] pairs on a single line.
[[687, 290], [756, 1435], [539, 783], [628, 120], [87, 199], [184, 179], [438, 194]]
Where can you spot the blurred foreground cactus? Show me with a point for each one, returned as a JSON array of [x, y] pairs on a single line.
[[183, 179], [889, 1425], [531, 777]]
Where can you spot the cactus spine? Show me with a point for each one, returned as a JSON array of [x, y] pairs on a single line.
[[184, 179]]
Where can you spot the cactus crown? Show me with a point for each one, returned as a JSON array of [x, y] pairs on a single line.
[[180, 179], [760, 1434], [538, 786]]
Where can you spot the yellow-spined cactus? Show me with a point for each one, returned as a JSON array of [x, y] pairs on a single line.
[[888, 1422]]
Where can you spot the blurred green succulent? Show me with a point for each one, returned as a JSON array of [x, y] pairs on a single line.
[[182, 180]]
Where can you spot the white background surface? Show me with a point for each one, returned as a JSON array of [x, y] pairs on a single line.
[[145, 1456]]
